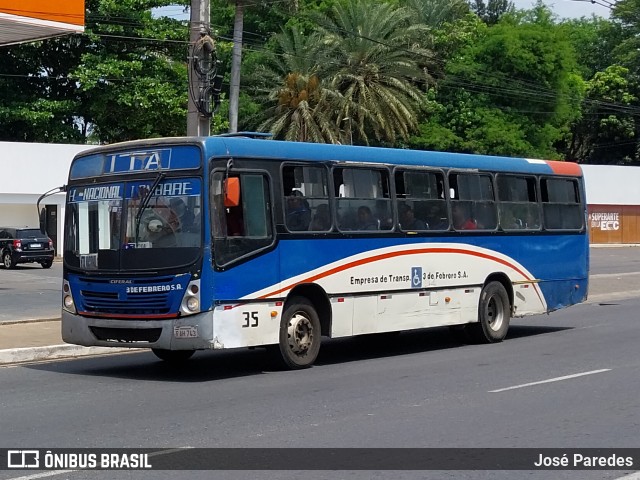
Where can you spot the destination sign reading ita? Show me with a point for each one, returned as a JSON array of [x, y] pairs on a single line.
[[154, 160]]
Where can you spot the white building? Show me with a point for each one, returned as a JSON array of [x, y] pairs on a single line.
[[27, 170]]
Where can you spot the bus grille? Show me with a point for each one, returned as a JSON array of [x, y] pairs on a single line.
[[132, 303]]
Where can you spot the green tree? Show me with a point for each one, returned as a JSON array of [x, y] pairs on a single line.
[[374, 68], [519, 74], [594, 41], [124, 78], [435, 13], [38, 100], [299, 107], [606, 132], [492, 11], [133, 71]]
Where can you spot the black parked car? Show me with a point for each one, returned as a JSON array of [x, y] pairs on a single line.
[[24, 245]]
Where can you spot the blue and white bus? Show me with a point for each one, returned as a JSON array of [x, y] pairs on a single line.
[[183, 244]]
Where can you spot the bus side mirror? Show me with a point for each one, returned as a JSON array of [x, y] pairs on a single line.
[[231, 192]]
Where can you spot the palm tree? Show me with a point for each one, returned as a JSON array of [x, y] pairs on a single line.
[[374, 72], [299, 108], [436, 12]]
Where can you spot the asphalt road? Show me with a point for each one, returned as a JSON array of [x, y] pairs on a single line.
[[30, 292], [420, 389]]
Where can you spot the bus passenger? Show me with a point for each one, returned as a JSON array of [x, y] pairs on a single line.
[[365, 219], [321, 221], [461, 220], [298, 213], [407, 219], [184, 214]]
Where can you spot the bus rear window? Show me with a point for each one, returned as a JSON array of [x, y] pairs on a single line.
[[561, 204]]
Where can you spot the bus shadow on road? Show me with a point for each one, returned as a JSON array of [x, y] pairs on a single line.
[[207, 366], [366, 347]]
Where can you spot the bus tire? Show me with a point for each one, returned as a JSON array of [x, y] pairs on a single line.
[[494, 314], [173, 356], [300, 334]]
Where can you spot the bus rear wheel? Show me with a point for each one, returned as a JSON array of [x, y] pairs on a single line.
[[173, 356], [494, 314], [299, 334]]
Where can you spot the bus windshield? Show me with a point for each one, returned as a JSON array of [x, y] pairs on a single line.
[[113, 227]]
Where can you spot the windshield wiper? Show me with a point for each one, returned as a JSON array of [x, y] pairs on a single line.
[[145, 203]]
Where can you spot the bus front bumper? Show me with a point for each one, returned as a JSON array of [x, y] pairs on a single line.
[[194, 332]]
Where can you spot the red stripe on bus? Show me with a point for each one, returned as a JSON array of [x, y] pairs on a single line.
[[565, 168], [384, 256], [123, 316]]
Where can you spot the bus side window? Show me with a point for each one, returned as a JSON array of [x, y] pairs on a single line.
[[473, 201], [420, 200], [306, 198], [363, 199], [518, 202]]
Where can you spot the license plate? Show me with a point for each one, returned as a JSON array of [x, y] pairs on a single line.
[[185, 332], [36, 245]]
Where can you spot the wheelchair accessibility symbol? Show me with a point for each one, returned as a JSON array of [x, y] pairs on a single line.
[[416, 277]]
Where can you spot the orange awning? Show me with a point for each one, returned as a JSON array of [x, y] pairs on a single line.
[[29, 20]]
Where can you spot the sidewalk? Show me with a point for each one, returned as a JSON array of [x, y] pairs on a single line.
[[32, 341]]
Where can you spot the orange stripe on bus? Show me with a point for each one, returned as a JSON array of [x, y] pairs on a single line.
[[385, 256], [565, 168]]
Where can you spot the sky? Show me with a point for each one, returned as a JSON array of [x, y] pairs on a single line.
[[570, 8]]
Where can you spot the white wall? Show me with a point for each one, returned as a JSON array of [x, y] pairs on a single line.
[[27, 171], [612, 184]]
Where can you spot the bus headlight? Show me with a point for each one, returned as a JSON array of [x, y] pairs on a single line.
[[193, 304], [67, 298], [68, 302], [191, 299]]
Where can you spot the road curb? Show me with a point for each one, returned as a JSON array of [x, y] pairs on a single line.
[[53, 352]]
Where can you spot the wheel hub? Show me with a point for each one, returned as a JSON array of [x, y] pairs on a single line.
[[299, 334], [495, 314]]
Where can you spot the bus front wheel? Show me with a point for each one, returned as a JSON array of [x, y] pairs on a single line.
[[299, 334], [494, 314], [173, 356]]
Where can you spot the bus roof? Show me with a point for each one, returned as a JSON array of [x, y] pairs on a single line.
[[242, 145], [257, 148]]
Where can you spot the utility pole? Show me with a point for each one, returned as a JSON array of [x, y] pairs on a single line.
[[236, 61], [201, 56]]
